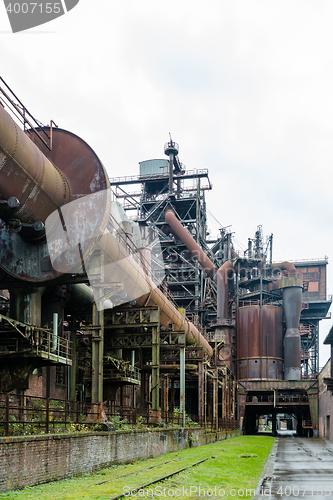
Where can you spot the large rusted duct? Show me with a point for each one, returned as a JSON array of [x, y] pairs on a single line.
[[292, 305], [222, 277], [81, 298], [28, 175], [190, 244], [139, 287], [224, 327], [284, 266], [41, 183]]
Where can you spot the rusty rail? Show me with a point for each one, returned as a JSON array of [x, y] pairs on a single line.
[[26, 415], [20, 112]]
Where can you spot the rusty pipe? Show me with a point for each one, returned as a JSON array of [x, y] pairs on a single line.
[[190, 244], [222, 277], [120, 266], [42, 189], [40, 183], [223, 329], [28, 175], [286, 266], [81, 298]]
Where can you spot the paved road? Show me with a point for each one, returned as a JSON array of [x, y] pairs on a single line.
[[299, 468]]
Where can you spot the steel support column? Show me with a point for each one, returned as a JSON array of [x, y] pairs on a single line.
[[72, 370], [181, 342], [164, 393], [215, 400], [224, 396], [96, 278], [274, 423], [201, 402], [172, 395], [155, 375]]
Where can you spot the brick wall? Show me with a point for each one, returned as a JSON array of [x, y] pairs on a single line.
[[37, 385], [31, 460], [325, 404]]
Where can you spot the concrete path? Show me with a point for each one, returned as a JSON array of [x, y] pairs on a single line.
[[298, 468]]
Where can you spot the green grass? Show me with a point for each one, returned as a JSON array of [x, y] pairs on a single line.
[[233, 464]]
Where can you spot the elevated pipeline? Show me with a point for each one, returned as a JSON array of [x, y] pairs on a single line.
[[28, 175], [35, 184], [43, 184], [138, 286], [284, 266], [220, 275], [190, 244]]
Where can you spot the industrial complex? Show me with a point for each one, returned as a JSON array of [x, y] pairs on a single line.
[[114, 296]]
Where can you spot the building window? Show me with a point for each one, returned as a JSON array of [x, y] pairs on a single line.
[[60, 375], [313, 286]]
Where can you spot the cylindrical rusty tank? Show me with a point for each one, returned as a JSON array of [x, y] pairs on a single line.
[[259, 342]]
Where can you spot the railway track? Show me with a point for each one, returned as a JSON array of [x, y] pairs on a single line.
[[152, 481]]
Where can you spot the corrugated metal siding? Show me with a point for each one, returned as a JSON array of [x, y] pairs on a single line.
[[154, 167]]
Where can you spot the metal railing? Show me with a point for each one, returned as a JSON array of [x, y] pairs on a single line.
[[279, 399], [21, 338], [26, 415], [21, 115], [133, 178], [125, 371]]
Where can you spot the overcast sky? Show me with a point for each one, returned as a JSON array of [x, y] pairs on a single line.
[[244, 86]]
